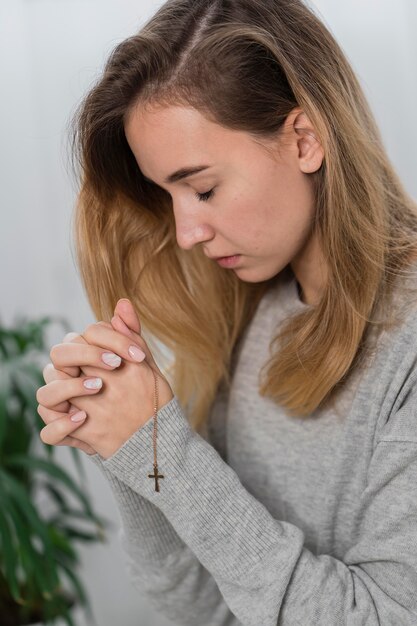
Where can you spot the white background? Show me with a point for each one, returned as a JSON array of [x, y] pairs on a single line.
[[51, 51]]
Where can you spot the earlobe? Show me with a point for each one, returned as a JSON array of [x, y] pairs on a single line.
[[312, 163]]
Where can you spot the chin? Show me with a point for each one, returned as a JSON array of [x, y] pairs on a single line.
[[258, 275]]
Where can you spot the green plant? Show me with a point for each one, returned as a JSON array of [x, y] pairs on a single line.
[[37, 554]]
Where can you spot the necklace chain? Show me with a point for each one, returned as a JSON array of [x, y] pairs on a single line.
[[155, 474]]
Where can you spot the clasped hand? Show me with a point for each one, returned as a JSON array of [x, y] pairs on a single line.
[[121, 405]]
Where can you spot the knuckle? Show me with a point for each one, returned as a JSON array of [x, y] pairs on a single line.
[[62, 407], [39, 394], [44, 436], [70, 336], [47, 371], [40, 409], [53, 435], [90, 328], [77, 338], [54, 352], [105, 324]]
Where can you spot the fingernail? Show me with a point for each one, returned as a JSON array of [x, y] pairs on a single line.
[[79, 416], [111, 359], [93, 383], [136, 353]]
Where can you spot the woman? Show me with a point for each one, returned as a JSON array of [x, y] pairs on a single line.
[[286, 463]]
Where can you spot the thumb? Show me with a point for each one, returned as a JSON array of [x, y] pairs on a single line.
[[119, 325], [124, 309]]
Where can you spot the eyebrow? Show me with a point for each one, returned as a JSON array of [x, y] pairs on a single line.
[[184, 172]]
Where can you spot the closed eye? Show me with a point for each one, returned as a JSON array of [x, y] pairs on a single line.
[[203, 197]]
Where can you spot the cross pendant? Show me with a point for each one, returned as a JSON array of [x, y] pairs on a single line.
[[156, 476]]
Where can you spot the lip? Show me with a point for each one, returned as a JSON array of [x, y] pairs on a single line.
[[216, 258], [229, 261]]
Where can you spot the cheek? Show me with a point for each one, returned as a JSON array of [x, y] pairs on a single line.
[[296, 191], [271, 205], [289, 202], [243, 221]]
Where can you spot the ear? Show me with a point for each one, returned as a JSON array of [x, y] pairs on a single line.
[[310, 152]]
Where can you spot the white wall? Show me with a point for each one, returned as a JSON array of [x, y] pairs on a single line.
[[50, 53]]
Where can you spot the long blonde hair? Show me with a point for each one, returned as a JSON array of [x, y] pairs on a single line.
[[244, 64]]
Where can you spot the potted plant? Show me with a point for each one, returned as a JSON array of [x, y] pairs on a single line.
[[38, 558]]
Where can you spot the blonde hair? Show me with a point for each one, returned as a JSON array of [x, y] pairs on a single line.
[[244, 64]]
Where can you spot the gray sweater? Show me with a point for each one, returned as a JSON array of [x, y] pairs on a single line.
[[268, 519]]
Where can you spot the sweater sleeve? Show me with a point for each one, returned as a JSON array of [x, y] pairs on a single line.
[[159, 563], [261, 567]]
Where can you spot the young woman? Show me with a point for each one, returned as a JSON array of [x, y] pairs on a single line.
[[285, 453]]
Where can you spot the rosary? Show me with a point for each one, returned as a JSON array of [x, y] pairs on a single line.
[[155, 474]]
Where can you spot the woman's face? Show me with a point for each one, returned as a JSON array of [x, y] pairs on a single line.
[[247, 201]]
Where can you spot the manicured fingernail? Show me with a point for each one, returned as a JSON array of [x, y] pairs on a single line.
[[92, 383], [136, 353], [79, 416], [111, 359]]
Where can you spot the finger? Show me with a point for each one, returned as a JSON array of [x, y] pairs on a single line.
[[51, 415], [51, 394], [61, 410], [75, 338], [58, 430], [119, 324], [126, 314], [64, 409], [51, 373], [64, 355], [127, 348], [125, 310], [106, 324]]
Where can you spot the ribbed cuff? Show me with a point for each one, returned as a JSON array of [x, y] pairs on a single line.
[[134, 459], [145, 526], [201, 496]]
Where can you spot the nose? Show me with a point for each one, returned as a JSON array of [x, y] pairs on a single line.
[[191, 230]]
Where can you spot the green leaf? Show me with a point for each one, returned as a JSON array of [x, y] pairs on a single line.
[[77, 461], [31, 560], [8, 553], [76, 533], [26, 380], [3, 414], [76, 585], [79, 590], [36, 463], [56, 496], [68, 619], [61, 518], [20, 497], [39, 549], [66, 512]]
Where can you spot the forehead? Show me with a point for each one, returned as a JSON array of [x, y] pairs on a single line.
[[164, 138]]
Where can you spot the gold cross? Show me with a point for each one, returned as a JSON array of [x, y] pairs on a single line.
[[156, 476]]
